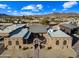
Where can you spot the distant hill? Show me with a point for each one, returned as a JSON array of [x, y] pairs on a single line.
[[61, 14], [4, 15], [55, 14]]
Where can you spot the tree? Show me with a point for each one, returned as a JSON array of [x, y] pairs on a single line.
[[29, 17], [44, 22], [23, 16]]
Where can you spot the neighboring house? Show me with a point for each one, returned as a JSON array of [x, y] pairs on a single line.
[[68, 28]]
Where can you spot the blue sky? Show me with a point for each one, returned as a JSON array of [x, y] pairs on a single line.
[[18, 8]]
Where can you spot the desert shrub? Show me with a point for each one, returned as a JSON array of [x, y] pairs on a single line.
[[44, 22], [31, 47], [25, 48], [6, 48], [49, 48]]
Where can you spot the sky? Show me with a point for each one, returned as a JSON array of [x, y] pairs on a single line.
[[19, 8]]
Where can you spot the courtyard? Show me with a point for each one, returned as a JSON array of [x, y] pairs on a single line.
[[43, 53]]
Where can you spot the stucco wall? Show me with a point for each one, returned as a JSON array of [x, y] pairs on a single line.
[[13, 40], [51, 42]]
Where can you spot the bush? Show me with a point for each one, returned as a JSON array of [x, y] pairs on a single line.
[[49, 48], [25, 48], [44, 22], [6, 48], [70, 57], [31, 47]]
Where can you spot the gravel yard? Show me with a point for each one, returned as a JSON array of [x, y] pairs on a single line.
[[43, 53]]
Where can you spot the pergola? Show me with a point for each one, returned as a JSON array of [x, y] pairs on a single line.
[[38, 28]]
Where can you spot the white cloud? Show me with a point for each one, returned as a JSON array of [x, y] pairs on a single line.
[[9, 11], [21, 13], [8, 8], [69, 4], [33, 7], [28, 7], [12, 11], [16, 14], [3, 6], [64, 9], [26, 13], [54, 10], [39, 6], [15, 11]]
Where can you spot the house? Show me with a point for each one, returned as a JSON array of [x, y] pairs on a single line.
[[68, 28], [17, 40], [60, 41]]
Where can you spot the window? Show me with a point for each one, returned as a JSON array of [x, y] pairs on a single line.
[[57, 42], [19, 46], [64, 42], [17, 42], [9, 42]]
